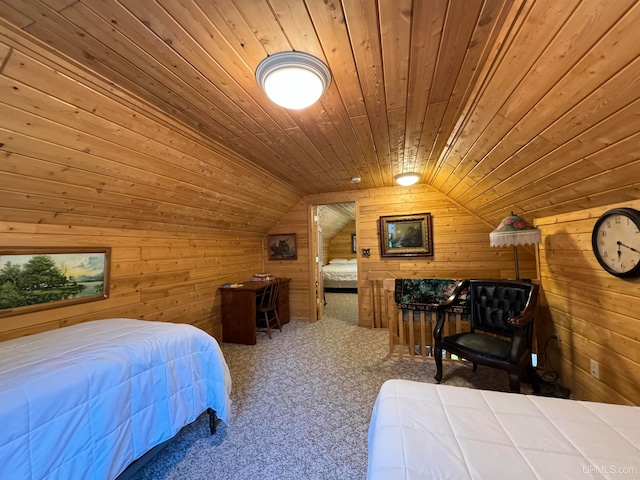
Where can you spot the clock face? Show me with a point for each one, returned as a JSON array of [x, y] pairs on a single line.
[[616, 242]]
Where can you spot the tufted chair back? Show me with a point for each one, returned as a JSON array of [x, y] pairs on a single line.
[[494, 302], [501, 328]]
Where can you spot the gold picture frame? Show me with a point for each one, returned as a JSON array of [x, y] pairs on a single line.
[[40, 278], [406, 235]]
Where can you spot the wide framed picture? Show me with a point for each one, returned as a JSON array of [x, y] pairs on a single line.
[[406, 235], [282, 246], [33, 279]]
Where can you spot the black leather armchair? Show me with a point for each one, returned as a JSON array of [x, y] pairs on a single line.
[[501, 321]]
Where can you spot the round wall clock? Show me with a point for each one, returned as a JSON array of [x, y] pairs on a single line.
[[616, 242]]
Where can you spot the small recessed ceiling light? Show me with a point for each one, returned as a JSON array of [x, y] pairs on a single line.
[[406, 179], [356, 180]]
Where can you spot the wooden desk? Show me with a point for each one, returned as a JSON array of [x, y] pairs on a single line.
[[239, 310]]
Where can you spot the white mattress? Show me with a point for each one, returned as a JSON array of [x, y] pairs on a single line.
[[340, 272], [427, 431], [82, 402]]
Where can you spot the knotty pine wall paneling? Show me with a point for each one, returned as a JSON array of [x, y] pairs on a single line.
[[299, 270], [461, 241], [161, 276], [84, 163], [594, 314], [340, 245]]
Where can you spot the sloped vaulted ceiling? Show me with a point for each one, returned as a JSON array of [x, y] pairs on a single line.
[[334, 217], [502, 105]]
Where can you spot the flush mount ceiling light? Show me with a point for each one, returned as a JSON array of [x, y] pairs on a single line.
[[293, 80], [406, 179]]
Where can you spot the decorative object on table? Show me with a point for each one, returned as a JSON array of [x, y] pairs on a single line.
[[36, 278], [406, 235], [616, 242], [353, 243], [515, 230], [282, 246], [293, 80], [262, 277]]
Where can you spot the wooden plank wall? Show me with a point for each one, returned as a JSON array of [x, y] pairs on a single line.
[[83, 163], [340, 245], [461, 241], [299, 270], [161, 276], [594, 314]]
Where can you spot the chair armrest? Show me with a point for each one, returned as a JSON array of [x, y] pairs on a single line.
[[454, 296], [528, 313], [442, 307]]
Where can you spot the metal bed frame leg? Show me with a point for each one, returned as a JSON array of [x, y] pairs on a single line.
[[213, 418]]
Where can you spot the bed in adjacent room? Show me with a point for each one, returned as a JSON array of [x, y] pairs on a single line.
[[420, 430], [341, 275], [87, 400]]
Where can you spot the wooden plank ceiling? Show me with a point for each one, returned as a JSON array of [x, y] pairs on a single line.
[[334, 217], [502, 105]]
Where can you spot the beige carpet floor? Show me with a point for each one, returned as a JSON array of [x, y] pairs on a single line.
[[302, 403]]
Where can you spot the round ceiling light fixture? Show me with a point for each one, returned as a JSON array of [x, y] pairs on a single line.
[[406, 179], [293, 80]]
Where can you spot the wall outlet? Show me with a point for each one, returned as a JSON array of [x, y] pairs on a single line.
[[595, 369]]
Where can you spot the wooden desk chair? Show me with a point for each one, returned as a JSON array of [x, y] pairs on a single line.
[[266, 310], [501, 328]]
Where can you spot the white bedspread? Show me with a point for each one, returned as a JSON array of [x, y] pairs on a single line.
[[341, 272], [82, 402], [426, 431]]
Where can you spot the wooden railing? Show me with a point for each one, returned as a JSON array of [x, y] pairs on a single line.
[[383, 306], [411, 331]]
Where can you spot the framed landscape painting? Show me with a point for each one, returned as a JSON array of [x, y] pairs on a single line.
[[406, 235], [34, 279]]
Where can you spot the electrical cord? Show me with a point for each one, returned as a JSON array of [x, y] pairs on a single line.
[[552, 376]]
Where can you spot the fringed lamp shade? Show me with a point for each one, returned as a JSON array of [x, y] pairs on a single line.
[[514, 230]]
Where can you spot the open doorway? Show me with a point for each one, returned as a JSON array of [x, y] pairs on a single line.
[[336, 256]]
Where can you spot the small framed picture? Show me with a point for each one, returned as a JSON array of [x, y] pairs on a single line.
[[282, 246], [406, 235], [353, 243], [37, 278]]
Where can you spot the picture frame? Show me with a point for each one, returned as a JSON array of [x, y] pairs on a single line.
[[282, 246], [40, 278], [353, 243], [406, 235]]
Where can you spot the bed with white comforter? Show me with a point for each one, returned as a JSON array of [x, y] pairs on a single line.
[[427, 431], [83, 402], [340, 274]]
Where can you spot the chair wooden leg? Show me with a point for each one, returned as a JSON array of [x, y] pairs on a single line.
[[514, 381], [266, 320], [278, 320], [438, 357], [533, 378]]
